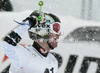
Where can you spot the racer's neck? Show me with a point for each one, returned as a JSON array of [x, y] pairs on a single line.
[[44, 45]]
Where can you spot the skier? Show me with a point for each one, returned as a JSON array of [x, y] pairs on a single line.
[[44, 30]]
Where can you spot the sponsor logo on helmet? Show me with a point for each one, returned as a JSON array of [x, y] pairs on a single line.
[[42, 26]]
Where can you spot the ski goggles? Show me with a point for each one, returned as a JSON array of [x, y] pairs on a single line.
[[55, 28], [42, 31]]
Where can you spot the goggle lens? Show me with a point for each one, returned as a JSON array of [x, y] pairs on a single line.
[[56, 27]]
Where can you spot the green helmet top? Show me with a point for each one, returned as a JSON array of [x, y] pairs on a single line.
[[40, 3]]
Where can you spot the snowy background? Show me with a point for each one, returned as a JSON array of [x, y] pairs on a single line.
[[85, 9], [80, 28]]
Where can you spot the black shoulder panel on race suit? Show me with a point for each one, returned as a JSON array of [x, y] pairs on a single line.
[[16, 35], [16, 38], [9, 41]]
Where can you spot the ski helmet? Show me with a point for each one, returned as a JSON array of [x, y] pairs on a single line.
[[49, 23]]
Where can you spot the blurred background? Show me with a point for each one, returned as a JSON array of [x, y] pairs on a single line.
[[88, 10], [83, 9]]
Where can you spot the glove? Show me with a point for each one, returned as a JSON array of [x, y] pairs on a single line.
[[32, 19]]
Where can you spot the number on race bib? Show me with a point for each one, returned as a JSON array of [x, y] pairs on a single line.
[[48, 71]]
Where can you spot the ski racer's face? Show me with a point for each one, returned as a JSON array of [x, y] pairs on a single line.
[[54, 39], [54, 34]]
